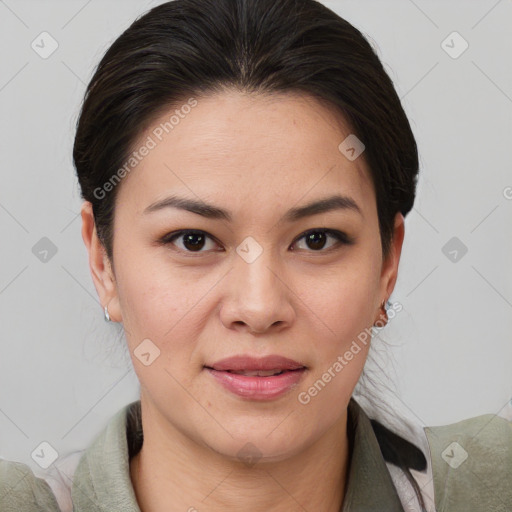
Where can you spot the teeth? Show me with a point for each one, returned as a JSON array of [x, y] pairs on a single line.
[[258, 373]]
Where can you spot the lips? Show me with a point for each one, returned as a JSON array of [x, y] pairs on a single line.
[[265, 366], [258, 379], [258, 373]]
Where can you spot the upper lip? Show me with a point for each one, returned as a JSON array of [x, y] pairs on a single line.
[[249, 363]]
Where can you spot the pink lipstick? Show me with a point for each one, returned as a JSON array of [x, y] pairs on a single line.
[[257, 378]]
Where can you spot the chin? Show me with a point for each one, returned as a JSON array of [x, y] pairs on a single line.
[[254, 446]]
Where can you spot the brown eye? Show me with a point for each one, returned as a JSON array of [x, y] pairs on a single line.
[[317, 239], [191, 240]]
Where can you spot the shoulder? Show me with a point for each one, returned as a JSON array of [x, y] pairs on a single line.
[[472, 464], [22, 491]]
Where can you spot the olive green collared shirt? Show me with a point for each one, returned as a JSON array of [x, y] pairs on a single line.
[[369, 483], [471, 464]]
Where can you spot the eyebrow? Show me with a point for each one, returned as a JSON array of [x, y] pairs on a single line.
[[335, 202]]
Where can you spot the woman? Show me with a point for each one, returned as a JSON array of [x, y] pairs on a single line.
[[246, 166]]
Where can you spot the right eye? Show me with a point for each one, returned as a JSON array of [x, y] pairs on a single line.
[[191, 240]]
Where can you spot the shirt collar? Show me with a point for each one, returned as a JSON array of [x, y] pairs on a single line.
[[369, 485], [102, 478]]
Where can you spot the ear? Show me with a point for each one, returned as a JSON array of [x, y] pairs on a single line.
[[99, 264], [389, 270]]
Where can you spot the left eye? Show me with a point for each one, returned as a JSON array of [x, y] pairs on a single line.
[[315, 239]]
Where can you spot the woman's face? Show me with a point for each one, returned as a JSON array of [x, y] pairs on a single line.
[[247, 282]]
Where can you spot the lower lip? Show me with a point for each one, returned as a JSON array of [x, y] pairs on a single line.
[[258, 388]]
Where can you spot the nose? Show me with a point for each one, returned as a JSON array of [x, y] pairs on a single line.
[[258, 297]]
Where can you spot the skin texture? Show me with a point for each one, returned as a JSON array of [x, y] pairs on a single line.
[[256, 156]]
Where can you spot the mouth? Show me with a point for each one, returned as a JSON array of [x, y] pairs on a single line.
[[258, 373], [257, 379], [248, 365]]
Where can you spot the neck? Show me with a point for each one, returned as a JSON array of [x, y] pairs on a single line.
[[174, 473]]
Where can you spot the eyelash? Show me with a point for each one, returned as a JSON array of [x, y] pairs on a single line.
[[342, 238]]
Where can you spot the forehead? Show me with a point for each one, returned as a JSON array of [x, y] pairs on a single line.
[[247, 148]]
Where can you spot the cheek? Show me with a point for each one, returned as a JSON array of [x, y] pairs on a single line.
[[150, 298], [147, 285], [343, 300], [344, 304], [165, 304], [156, 311]]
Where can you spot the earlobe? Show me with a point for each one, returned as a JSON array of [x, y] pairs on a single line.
[[383, 316], [99, 263]]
